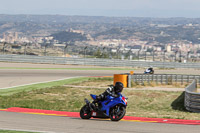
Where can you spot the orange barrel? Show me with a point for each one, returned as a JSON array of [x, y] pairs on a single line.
[[121, 78], [131, 72]]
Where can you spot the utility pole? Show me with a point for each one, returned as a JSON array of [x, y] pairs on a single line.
[[130, 56], [175, 56], [188, 55], [118, 52], [103, 52], [139, 54], [4, 44], [145, 54], [85, 51], [25, 48], [153, 55], [180, 56], [45, 49], [65, 48], [164, 55]]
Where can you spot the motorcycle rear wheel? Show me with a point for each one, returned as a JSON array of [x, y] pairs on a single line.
[[152, 72], [117, 113], [85, 112]]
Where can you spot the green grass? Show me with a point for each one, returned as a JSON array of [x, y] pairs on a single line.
[[54, 98], [158, 104], [141, 103], [155, 84], [100, 79], [12, 131]]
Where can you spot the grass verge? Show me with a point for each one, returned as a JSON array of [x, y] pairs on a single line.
[[12, 131], [141, 103], [157, 84], [14, 90]]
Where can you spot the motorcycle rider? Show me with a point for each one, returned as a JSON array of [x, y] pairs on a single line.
[[148, 70], [112, 91]]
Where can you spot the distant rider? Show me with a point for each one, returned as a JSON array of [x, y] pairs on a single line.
[[148, 70], [112, 91]]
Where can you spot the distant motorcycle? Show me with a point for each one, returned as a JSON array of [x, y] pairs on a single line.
[[113, 108], [149, 71]]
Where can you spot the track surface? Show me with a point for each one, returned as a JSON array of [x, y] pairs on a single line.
[[41, 123], [59, 124], [15, 77], [10, 78]]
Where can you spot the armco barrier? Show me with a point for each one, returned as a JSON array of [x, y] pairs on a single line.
[[94, 61], [162, 78], [192, 98]]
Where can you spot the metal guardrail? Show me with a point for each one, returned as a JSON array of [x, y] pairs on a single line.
[[94, 61], [161, 78], [192, 98]]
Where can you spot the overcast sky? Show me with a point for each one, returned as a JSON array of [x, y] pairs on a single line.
[[131, 8]]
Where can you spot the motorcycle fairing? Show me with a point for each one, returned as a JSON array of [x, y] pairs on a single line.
[[109, 102]]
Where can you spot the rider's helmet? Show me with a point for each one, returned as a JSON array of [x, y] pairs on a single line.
[[118, 87], [150, 68]]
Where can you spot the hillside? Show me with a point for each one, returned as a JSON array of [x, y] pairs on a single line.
[[65, 36]]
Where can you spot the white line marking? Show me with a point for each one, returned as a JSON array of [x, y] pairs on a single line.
[[41, 82]]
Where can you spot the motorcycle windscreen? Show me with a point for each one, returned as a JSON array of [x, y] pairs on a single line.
[[93, 96]]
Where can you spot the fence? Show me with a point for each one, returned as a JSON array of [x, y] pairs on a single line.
[[161, 78], [192, 98], [94, 61]]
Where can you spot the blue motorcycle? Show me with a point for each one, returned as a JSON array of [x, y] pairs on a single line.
[[113, 108]]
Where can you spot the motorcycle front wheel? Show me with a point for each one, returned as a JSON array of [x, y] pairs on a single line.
[[85, 112], [117, 113]]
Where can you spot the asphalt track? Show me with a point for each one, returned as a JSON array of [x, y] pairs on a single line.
[[63, 124], [16, 77], [10, 78]]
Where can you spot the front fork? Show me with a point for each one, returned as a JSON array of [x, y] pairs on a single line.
[[90, 105], [87, 101], [118, 110]]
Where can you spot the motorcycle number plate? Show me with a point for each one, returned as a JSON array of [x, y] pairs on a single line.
[[94, 113]]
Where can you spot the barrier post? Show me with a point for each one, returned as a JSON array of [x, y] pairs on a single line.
[[129, 80]]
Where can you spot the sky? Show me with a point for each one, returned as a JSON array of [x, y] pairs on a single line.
[[116, 8]]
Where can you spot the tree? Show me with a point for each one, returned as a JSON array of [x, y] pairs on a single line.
[[98, 53]]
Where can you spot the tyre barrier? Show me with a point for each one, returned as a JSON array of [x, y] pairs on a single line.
[[192, 98]]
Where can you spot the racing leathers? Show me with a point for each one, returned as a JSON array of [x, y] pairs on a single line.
[[109, 91]]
